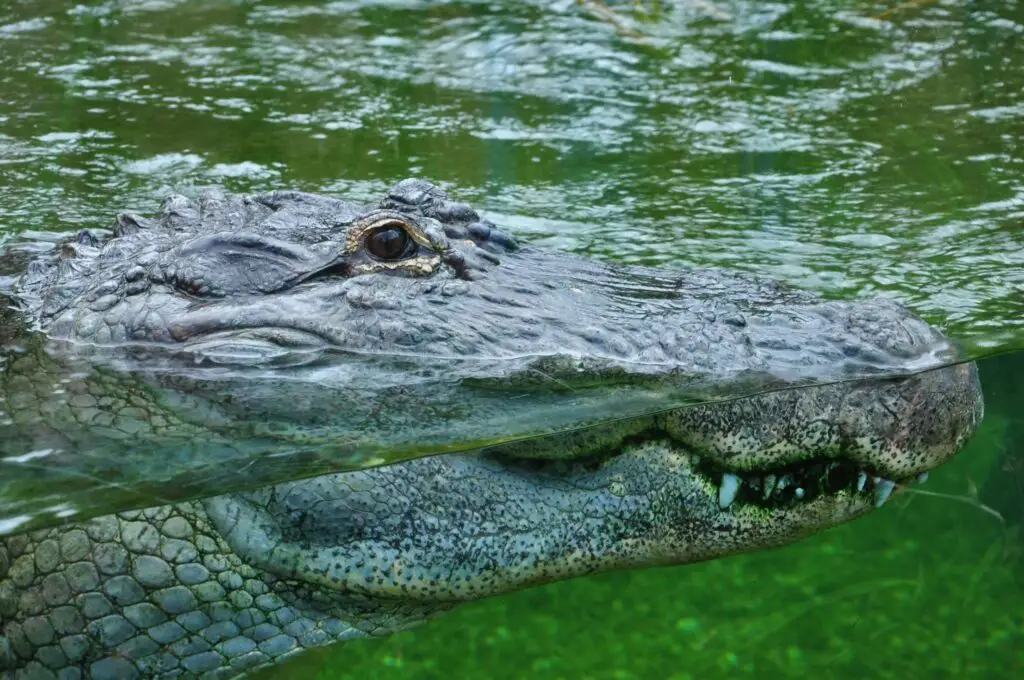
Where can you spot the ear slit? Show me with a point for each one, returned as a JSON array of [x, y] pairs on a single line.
[[339, 266]]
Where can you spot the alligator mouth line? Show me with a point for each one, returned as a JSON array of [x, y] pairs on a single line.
[[777, 488], [789, 485]]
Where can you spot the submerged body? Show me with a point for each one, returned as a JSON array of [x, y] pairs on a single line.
[[220, 585]]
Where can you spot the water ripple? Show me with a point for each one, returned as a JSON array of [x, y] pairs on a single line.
[[807, 141]]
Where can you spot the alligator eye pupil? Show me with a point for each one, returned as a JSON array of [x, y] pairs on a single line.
[[389, 243]]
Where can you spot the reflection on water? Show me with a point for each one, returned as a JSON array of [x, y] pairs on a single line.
[[934, 575], [88, 430], [928, 587]]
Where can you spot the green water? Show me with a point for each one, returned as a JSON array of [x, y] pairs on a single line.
[[806, 140]]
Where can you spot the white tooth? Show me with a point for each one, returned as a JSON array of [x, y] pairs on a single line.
[[728, 490], [862, 480], [799, 493], [882, 491], [769, 486], [922, 478], [783, 482]]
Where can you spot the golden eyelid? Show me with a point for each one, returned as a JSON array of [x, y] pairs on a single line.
[[369, 224]]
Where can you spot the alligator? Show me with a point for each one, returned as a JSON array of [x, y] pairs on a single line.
[[219, 585]]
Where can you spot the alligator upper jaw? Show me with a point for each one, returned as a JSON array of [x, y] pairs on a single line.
[[778, 449], [772, 488]]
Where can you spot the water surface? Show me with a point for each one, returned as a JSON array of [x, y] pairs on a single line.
[[807, 141]]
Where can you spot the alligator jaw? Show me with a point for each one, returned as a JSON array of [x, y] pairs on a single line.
[[802, 484]]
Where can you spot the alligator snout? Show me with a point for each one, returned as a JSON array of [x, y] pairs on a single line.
[[894, 427]]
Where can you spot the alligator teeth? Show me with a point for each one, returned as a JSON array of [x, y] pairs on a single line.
[[922, 478], [728, 490], [799, 493], [862, 481], [769, 486], [783, 482], [883, 490]]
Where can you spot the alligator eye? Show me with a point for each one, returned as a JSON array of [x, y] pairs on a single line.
[[389, 243]]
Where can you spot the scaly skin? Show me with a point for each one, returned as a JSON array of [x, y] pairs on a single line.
[[243, 577]]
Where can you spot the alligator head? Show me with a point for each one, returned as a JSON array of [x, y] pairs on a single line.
[[248, 280]]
